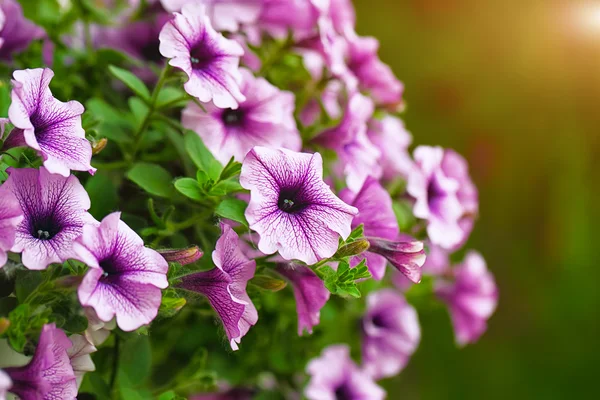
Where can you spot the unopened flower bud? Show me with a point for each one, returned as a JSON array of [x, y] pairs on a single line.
[[407, 257], [99, 146], [4, 324], [182, 256], [352, 249]]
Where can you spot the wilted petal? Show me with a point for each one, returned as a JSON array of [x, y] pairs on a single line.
[[79, 354], [291, 208]]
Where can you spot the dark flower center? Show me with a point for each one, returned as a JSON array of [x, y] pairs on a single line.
[[109, 267], [433, 190], [232, 117], [201, 55], [44, 227], [343, 393], [379, 321], [150, 51], [41, 125], [292, 201]]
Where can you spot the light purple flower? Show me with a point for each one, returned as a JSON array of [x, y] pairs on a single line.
[[392, 139], [291, 208], [79, 355], [3, 123], [358, 158], [11, 216], [375, 212], [472, 298], [265, 118], [5, 384], [342, 15], [54, 210], [300, 17], [310, 293], [98, 331], [17, 32], [49, 375], [406, 256], [225, 15], [335, 376], [51, 127], [225, 286], [373, 75], [436, 264], [391, 334], [444, 194], [124, 278], [209, 59]]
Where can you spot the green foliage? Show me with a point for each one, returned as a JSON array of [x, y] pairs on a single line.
[[153, 178], [201, 156], [133, 82], [343, 281], [233, 209]]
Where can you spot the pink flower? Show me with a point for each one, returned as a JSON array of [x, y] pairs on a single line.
[[392, 139], [225, 286], [278, 17], [265, 118], [472, 298], [49, 375], [209, 60], [54, 211], [5, 384], [16, 31], [310, 293], [51, 127], [11, 216], [391, 334], [225, 15], [124, 278], [291, 208]]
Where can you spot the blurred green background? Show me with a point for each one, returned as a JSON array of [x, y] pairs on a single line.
[[515, 87]]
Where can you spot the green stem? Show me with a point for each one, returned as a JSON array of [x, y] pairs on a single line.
[[139, 134]]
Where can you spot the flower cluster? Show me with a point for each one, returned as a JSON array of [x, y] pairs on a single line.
[[267, 132]]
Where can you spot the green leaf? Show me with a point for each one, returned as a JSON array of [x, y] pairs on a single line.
[[233, 209], [189, 188], [201, 156], [153, 178], [103, 194], [171, 395], [232, 169], [226, 187], [133, 82], [343, 281], [404, 215], [113, 123], [356, 233], [27, 282], [136, 360], [171, 97], [138, 108]]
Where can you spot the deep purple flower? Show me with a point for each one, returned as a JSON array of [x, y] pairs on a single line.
[[358, 157], [209, 59], [265, 118], [225, 286], [407, 256], [335, 376], [79, 355], [278, 17], [391, 334], [392, 139], [124, 278], [291, 208], [54, 210], [17, 32], [48, 125], [225, 15], [310, 293], [445, 196], [472, 298], [5, 384], [11, 216], [373, 75], [375, 212], [49, 375]]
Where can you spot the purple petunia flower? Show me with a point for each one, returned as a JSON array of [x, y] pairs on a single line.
[[335, 376], [300, 17], [51, 127], [373, 75], [124, 278], [11, 216], [445, 195], [209, 59], [472, 298], [265, 118], [358, 157], [375, 212], [225, 15], [16, 32], [406, 256], [79, 355], [54, 210], [3, 123], [310, 293], [391, 334], [225, 286], [392, 139], [49, 374], [291, 208], [5, 384]]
